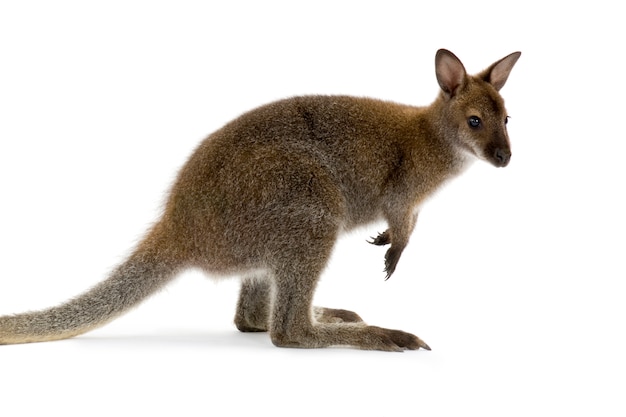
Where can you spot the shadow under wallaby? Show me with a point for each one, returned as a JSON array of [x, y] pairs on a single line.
[[266, 197]]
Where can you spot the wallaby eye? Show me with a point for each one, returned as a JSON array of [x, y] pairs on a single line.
[[506, 119], [473, 121]]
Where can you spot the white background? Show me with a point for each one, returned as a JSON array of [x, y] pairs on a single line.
[[513, 276]]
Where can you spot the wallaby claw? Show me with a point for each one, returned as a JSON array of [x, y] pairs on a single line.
[[391, 260], [380, 240], [397, 340], [423, 345]]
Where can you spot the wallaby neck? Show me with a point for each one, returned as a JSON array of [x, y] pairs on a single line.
[[440, 150]]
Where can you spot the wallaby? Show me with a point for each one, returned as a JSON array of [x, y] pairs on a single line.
[[266, 197]]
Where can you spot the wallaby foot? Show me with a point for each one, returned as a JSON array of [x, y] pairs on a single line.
[[295, 324], [380, 338], [254, 306], [393, 340], [249, 323], [332, 315], [356, 335]]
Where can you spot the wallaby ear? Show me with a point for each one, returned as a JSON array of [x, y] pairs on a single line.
[[499, 71], [450, 71]]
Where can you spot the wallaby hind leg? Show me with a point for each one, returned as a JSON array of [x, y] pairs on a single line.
[[253, 308], [292, 323]]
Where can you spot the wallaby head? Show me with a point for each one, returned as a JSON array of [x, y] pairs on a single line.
[[474, 110]]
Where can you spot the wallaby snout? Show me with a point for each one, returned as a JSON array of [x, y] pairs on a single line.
[[498, 151], [502, 157]]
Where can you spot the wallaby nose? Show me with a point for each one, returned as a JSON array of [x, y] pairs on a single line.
[[502, 157]]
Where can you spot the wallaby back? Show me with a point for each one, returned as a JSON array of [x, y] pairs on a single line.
[[267, 195]]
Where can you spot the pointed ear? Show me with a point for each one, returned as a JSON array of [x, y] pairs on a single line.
[[450, 71], [498, 72]]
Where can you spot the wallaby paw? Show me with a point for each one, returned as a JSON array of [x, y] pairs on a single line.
[[393, 340], [391, 260], [247, 325], [249, 329], [332, 315], [382, 239]]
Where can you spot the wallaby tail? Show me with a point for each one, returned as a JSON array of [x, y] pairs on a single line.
[[140, 276]]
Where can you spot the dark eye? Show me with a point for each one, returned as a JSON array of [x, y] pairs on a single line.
[[473, 121], [506, 119]]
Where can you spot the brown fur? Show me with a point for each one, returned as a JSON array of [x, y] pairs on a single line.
[[267, 196]]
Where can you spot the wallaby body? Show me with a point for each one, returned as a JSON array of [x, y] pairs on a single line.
[[267, 196]]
